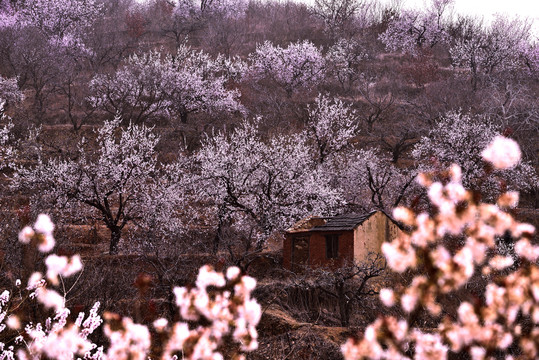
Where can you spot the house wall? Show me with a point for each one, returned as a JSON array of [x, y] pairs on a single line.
[[317, 248], [370, 235], [287, 251]]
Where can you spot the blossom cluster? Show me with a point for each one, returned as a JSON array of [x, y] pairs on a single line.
[[220, 303], [531, 57], [9, 91], [60, 21], [498, 47], [300, 65], [223, 300], [153, 84], [448, 249], [262, 185], [414, 29], [57, 337]]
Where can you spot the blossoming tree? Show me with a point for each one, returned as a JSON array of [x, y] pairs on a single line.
[[412, 30], [332, 124], [343, 61], [155, 84], [118, 182], [186, 17], [60, 23], [459, 139], [263, 186], [298, 66], [368, 179], [337, 15], [182, 20], [57, 18], [41, 39], [501, 46]]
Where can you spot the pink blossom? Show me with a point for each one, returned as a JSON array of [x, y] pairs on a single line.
[[50, 298], [160, 324], [404, 215], [478, 353], [388, 297], [34, 280], [44, 224], [130, 342], [508, 199], [26, 234], [232, 272], [502, 152], [526, 250], [4, 298], [399, 259], [429, 346], [46, 243], [180, 332], [207, 277], [409, 301], [13, 322], [501, 262], [61, 265]]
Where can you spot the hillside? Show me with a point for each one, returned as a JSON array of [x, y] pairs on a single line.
[[164, 136]]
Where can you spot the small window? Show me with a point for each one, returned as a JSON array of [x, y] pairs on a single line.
[[332, 246]]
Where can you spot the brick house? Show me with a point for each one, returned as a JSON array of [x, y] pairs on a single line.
[[317, 241]]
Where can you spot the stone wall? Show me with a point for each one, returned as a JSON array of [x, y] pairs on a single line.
[[372, 234]]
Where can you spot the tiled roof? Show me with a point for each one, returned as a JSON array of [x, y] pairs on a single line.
[[334, 223], [343, 222], [307, 224]]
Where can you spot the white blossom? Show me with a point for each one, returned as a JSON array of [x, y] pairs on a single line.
[[44, 224], [388, 297], [154, 84], [502, 152], [118, 181], [299, 65], [461, 139]]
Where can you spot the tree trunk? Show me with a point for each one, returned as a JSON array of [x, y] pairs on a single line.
[[216, 240], [344, 310], [171, 304], [183, 117], [115, 235]]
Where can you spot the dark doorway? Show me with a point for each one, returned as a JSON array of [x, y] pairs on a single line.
[[300, 252]]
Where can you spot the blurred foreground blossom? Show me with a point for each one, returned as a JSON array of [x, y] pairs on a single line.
[[220, 311], [448, 248], [227, 304], [503, 153], [42, 230]]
